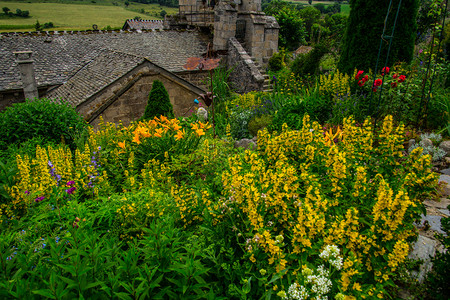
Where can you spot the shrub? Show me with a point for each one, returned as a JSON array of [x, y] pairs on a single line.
[[276, 62], [258, 123], [309, 63], [44, 118], [158, 102]]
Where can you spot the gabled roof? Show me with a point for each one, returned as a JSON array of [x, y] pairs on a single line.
[[132, 24], [97, 74], [59, 56]]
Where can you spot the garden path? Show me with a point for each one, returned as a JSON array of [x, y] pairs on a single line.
[[430, 224]]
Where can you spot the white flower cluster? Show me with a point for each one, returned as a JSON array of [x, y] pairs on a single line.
[[321, 284], [331, 254], [296, 291]]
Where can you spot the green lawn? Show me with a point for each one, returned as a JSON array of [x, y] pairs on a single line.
[[345, 8], [78, 16]]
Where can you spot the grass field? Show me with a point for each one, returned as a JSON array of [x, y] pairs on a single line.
[[345, 8], [78, 16]]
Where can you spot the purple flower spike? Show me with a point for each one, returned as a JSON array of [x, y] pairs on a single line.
[[39, 199], [27, 192], [70, 183], [71, 190]]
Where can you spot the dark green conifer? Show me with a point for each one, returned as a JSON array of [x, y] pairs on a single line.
[[365, 27], [158, 102]]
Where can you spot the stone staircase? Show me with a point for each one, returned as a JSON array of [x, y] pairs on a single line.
[[267, 86]]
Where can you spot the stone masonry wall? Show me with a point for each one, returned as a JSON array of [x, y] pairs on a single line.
[[245, 76], [225, 17]]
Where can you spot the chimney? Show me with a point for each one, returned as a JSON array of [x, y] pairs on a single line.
[[25, 63]]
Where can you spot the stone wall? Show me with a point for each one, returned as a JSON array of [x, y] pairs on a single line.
[[198, 78], [225, 17], [9, 97], [245, 76]]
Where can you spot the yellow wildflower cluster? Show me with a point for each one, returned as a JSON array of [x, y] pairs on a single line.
[[246, 101], [51, 167], [289, 84], [316, 193], [336, 84]]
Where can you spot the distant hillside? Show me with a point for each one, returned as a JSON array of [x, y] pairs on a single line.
[[79, 15]]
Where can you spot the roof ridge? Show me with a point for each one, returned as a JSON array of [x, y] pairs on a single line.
[[89, 31]]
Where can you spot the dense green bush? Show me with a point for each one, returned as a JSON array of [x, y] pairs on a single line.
[[158, 102], [42, 119], [276, 62], [309, 63], [259, 123]]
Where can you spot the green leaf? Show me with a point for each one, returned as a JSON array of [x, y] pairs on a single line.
[[46, 293], [123, 296]]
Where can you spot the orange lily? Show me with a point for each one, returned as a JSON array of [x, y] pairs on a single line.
[[179, 135], [158, 132]]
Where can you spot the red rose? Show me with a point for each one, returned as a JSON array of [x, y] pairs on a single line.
[[395, 76], [401, 78], [360, 72], [365, 78], [378, 82], [393, 84], [361, 82], [385, 69]]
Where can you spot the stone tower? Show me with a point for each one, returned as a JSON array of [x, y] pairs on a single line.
[[244, 20]]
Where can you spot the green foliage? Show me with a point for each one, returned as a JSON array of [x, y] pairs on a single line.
[[308, 64], [259, 123], [310, 16], [276, 62], [158, 102], [43, 118], [292, 30], [362, 39]]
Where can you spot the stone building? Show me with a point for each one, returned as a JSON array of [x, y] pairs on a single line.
[[98, 71], [110, 73]]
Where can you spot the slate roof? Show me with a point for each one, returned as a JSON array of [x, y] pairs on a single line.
[[57, 57], [100, 72], [143, 24]]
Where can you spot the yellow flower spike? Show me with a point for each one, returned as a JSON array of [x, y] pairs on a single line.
[[122, 144]]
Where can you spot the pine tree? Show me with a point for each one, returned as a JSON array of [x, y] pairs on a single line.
[[158, 102], [365, 27]]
